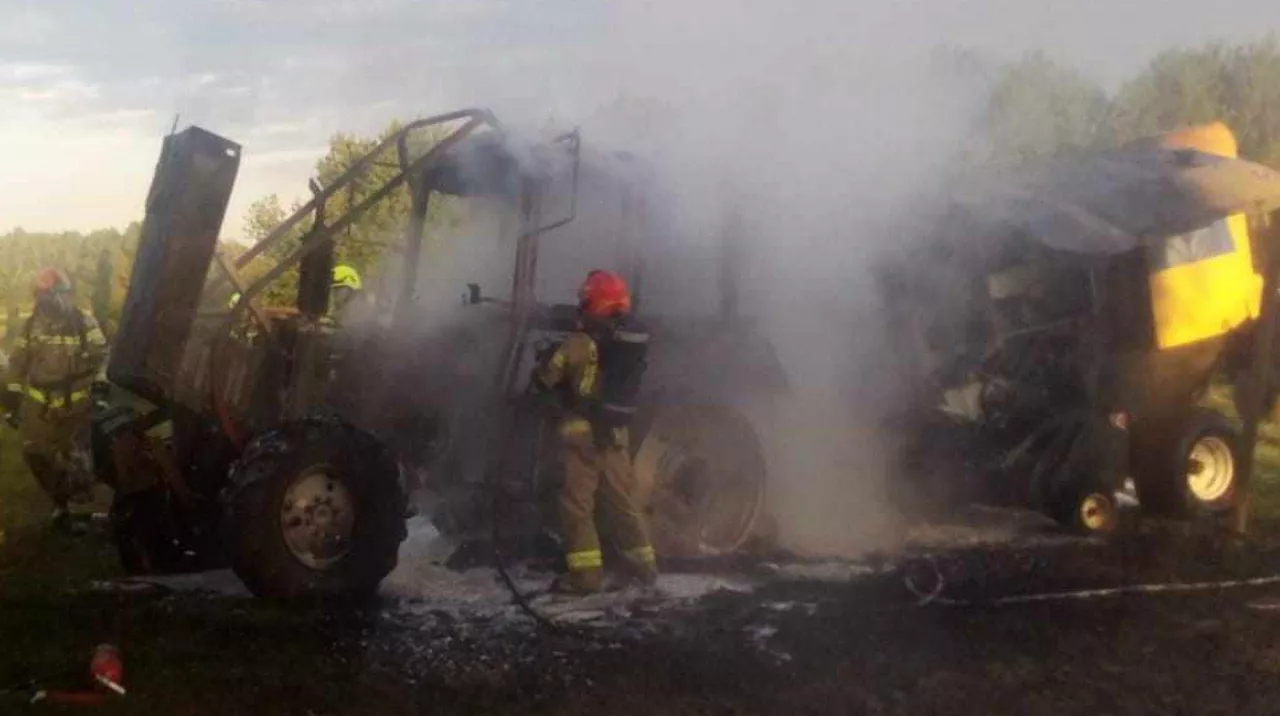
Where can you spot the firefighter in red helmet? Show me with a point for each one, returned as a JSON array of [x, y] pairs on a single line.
[[60, 350], [597, 372]]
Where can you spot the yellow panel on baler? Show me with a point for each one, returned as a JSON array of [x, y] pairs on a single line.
[[1205, 298]]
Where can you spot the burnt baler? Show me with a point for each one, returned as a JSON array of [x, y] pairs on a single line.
[[1062, 323]]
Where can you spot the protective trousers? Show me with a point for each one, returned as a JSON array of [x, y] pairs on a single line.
[[601, 478], [49, 446]]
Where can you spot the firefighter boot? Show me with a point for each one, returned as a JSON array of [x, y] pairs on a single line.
[[579, 582]]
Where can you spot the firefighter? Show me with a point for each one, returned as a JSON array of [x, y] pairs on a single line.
[[345, 288], [596, 371], [55, 359]]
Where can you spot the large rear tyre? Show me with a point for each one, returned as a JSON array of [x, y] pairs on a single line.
[[703, 470], [315, 510], [1189, 468]]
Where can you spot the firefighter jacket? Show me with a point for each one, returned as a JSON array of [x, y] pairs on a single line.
[[56, 358], [598, 378]]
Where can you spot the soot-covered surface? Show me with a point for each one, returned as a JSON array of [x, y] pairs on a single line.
[[766, 637]]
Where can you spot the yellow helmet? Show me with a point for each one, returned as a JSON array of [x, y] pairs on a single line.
[[345, 276]]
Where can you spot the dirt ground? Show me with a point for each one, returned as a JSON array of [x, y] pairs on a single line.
[[748, 637]]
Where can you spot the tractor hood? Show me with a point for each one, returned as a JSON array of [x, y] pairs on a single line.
[[1109, 203]]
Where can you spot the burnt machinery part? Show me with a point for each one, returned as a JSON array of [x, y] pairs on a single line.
[[149, 537], [153, 532], [184, 213], [1078, 476], [1187, 466], [315, 510], [703, 471]]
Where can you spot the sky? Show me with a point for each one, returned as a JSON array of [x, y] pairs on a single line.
[[89, 87]]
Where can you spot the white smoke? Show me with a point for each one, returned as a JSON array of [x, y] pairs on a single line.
[[803, 134]]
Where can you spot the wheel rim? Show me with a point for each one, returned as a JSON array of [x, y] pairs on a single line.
[[1097, 512], [316, 518], [1211, 469], [705, 478]]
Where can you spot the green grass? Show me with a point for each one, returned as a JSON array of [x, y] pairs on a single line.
[[182, 655], [34, 560]]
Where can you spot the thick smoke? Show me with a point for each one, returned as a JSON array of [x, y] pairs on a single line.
[[768, 126]]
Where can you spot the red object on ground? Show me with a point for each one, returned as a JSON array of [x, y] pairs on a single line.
[[74, 698], [107, 665]]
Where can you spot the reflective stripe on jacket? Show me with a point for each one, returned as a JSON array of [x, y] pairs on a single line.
[[55, 358], [574, 369]]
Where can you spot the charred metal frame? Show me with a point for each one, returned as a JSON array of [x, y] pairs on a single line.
[[315, 252], [321, 231], [412, 172]]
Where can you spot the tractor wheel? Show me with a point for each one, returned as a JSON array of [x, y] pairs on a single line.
[[1191, 468], [315, 510], [703, 469]]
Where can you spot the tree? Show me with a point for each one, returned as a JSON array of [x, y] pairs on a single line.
[[1178, 87], [98, 264], [102, 285], [1239, 85], [1038, 108], [365, 243]]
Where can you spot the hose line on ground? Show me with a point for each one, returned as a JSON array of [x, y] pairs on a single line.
[[495, 495], [932, 594]]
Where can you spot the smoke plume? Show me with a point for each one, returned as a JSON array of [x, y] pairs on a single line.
[[768, 128]]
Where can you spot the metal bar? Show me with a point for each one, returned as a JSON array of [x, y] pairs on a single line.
[[315, 239], [316, 270], [1259, 373], [355, 213], [412, 254], [520, 289], [549, 227], [574, 139], [475, 116], [233, 277]]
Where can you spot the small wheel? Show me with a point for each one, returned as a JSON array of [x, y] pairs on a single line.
[[315, 509], [1210, 466], [1092, 511], [1193, 469]]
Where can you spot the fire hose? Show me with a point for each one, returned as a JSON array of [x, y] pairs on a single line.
[[494, 480], [932, 593]]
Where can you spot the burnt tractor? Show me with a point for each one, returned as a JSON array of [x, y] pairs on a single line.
[[292, 443], [1060, 324]]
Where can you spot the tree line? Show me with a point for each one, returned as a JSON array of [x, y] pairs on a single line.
[[1037, 107], [1034, 107], [97, 262]]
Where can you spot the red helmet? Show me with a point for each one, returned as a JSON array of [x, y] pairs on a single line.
[[604, 294], [50, 281]]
